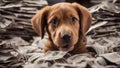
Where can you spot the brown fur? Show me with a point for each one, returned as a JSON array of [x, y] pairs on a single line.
[[63, 13]]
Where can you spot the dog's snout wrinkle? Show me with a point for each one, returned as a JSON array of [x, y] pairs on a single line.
[[65, 46]]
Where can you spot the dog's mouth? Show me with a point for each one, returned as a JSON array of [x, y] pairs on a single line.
[[66, 47]]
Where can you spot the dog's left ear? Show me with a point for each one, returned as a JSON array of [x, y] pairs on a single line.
[[85, 17], [39, 21]]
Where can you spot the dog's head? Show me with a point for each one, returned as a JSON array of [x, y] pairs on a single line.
[[64, 23]]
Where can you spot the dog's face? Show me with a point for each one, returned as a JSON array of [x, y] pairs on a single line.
[[63, 24]]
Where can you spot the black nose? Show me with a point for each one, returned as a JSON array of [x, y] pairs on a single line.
[[66, 37]]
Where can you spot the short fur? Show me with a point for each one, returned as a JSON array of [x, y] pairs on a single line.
[[63, 14]]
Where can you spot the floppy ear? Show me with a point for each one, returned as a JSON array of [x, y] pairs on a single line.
[[85, 17], [39, 21]]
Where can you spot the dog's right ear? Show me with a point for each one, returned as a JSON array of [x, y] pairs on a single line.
[[39, 21]]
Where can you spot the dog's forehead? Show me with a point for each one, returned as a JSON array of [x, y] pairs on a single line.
[[62, 11], [62, 5], [62, 8]]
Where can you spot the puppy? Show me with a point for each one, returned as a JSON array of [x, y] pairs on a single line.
[[66, 25]]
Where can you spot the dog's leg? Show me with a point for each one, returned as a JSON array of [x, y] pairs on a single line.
[[79, 48], [49, 46]]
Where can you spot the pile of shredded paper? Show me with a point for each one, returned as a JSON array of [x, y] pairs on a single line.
[[21, 47]]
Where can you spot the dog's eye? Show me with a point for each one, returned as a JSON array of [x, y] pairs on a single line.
[[54, 21], [73, 20]]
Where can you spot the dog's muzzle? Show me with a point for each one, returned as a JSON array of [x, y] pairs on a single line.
[[66, 37]]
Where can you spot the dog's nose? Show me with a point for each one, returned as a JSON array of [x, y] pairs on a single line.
[[66, 37]]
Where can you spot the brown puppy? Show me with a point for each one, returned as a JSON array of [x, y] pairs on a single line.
[[65, 24]]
